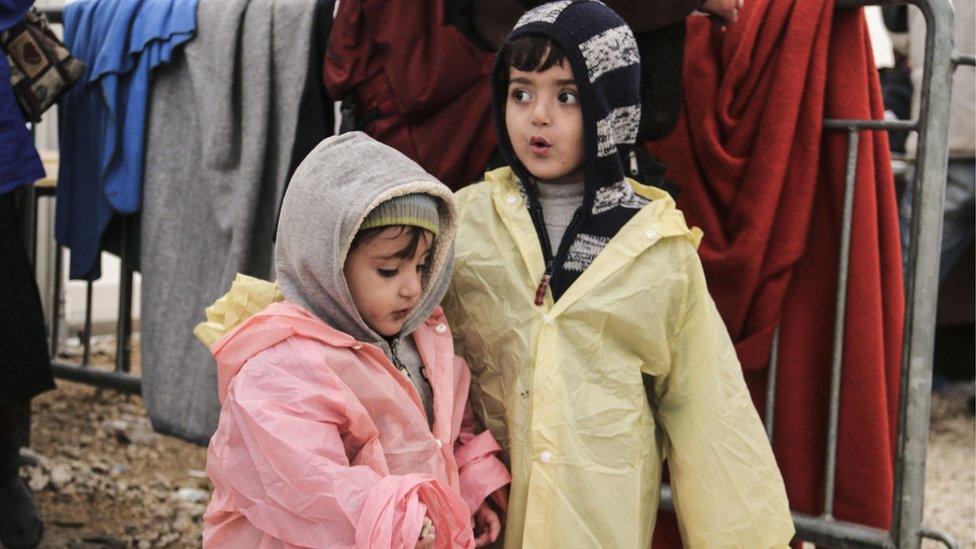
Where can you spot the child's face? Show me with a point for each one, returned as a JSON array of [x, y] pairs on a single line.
[[545, 123], [384, 282]]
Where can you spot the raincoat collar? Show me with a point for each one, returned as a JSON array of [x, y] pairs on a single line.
[[282, 320], [278, 322], [657, 220]]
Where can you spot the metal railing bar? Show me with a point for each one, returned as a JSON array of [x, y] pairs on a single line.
[[770, 412], [123, 327], [946, 539], [837, 359], [847, 124], [56, 300], [54, 15], [829, 533], [667, 498], [966, 59], [99, 378], [86, 333], [839, 534], [922, 277], [29, 223]]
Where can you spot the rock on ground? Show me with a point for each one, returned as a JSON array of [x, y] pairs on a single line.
[[102, 478]]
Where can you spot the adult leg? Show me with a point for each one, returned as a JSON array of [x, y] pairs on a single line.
[[959, 217], [958, 213], [20, 524], [26, 371]]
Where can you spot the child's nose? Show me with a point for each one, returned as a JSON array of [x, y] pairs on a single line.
[[540, 114], [411, 286]]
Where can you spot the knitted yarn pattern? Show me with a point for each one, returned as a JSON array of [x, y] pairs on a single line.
[[602, 53]]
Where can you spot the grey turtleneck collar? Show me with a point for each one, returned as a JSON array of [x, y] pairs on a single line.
[[559, 201]]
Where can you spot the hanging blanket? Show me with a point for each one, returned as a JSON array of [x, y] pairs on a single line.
[[764, 180], [221, 128], [103, 116]]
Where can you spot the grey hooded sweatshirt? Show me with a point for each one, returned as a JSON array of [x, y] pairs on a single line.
[[332, 191]]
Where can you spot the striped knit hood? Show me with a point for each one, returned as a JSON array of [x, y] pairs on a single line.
[[602, 53]]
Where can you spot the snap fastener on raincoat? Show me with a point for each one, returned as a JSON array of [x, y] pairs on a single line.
[[640, 309]]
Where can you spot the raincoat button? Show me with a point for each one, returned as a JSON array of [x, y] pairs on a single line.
[[545, 457], [440, 328], [438, 442], [512, 199], [548, 320], [651, 234]]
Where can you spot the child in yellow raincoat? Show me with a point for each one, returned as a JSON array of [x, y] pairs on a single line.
[[574, 285]]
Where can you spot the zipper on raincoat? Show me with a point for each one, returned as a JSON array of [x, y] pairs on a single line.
[[535, 213], [402, 368], [395, 359]]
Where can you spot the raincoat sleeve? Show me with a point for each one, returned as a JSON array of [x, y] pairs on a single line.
[[727, 488], [303, 463], [480, 473]]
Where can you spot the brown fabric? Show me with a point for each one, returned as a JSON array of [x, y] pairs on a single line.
[[41, 67]]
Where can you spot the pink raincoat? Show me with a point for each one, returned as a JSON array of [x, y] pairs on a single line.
[[323, 443]]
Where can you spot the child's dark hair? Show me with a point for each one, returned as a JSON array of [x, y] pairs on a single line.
[[408, 251], [531, 53]]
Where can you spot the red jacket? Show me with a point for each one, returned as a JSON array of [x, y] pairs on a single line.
[[428, 82]]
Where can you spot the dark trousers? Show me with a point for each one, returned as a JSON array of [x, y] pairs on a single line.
[[25, 367]]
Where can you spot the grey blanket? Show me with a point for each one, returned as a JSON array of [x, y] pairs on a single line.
[[221, 127]]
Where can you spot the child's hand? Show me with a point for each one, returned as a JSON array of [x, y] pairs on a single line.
[[426, 540], [723, 12], [486, 525]]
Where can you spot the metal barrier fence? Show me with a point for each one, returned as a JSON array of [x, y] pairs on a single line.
[[922, 281]]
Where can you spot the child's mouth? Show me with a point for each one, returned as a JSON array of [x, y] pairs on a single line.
[[400, 314], [539, 145]]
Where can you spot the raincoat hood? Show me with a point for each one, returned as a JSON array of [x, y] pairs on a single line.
[[332, 191]]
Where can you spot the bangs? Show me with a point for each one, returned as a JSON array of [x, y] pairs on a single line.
[[408, 251], [532, 53]]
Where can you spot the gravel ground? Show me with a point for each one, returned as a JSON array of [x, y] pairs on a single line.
[[950, 474], [103, 478]]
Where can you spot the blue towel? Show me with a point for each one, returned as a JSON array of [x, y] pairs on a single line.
[[103, 119], [19, 163]]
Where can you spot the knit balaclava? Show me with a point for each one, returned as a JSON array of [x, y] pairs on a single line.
[[602, 53]]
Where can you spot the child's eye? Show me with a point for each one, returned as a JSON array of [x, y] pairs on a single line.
[[568, 97], [387, 273], [520, 95]]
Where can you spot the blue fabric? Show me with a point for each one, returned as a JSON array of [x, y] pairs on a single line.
[[103, 119], [19, 162]]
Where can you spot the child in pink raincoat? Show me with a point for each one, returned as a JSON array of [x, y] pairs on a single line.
[[344, 418]]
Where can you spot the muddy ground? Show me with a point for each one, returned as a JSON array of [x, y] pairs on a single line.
[[103, 478]]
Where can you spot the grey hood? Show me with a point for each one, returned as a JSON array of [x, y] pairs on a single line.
[[333, 189]]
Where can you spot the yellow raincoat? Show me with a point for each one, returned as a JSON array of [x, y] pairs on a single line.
[[561, 386]]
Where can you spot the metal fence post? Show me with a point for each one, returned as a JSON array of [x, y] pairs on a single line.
[[923, 267]]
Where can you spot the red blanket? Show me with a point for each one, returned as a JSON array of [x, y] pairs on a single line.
[[764, 180]]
